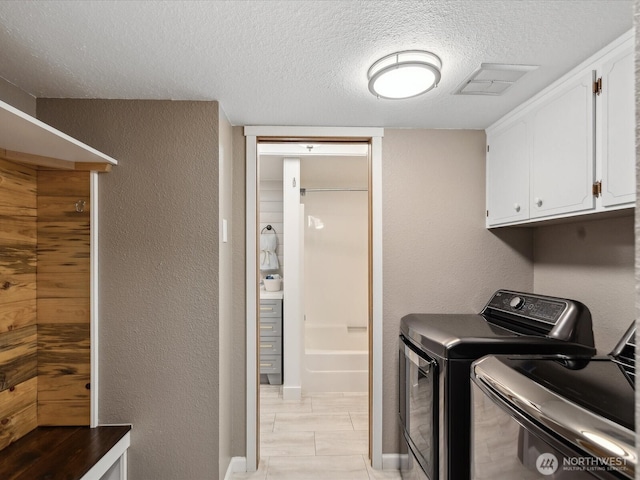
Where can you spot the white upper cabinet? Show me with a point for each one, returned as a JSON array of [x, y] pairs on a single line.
[[617, 149], [508, 175], [562, 157], [571, 148]]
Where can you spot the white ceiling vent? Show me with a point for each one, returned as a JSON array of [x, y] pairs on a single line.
[[493, 79]]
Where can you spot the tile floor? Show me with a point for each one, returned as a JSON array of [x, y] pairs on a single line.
[[321, 437]]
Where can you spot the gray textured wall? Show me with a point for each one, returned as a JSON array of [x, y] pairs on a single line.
[[226, 339], [17, 98], [438, 255], [239, 359], [593, 262], [159, 359]]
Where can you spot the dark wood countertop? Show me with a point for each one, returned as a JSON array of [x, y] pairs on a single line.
[[58, 453]]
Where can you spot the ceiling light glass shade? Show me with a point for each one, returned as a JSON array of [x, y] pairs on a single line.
[[404, 74]]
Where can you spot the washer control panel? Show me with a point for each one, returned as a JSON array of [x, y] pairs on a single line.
[[536, 307], [517, 302], [540, 315]]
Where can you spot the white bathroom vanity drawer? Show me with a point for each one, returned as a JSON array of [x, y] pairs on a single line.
[[271, 340], [270, 346], [270, 308], [270, 364], [271, 326]]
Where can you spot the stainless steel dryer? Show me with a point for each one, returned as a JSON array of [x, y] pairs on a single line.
[[436, 352], [539, 417]]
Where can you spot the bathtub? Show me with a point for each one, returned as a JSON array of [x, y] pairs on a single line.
[[336, 359]]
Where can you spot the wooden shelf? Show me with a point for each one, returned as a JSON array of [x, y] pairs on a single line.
[[28, 140], [64, 453]]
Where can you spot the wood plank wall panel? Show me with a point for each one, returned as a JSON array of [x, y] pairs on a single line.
[[18, 357], [18, 410], [63, 299], [18, 331], [18, 191], [74, 310]]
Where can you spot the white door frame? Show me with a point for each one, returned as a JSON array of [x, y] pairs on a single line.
[[252, 134]]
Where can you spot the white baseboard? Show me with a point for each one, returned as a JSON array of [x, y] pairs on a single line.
[[292, 393], [237, 464], [390, 461], [394, 461]]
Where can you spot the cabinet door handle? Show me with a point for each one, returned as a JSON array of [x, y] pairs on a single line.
[[538, 202], [266, 345], [270, 327], [266, 364], [266, 309], [516, 207]]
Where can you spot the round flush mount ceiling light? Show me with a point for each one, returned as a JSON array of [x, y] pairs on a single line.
[[404, 74]]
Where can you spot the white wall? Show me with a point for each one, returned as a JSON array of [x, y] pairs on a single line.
[[336, 240], [336, 258], [270, 213]]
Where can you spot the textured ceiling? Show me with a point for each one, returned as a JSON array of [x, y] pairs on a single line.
[[297, 62]]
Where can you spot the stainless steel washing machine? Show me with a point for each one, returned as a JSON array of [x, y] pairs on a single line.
[[436, 352]]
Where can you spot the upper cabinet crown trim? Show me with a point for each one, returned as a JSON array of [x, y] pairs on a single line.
[[22, 133]]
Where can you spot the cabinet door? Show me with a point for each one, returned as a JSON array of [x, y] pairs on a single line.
[[562, 166], [508, 175], [617, 110]]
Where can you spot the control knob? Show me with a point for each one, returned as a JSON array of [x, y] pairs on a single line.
[[517, 303]]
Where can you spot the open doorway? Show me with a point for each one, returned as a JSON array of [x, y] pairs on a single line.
[[291, 135], [314, 315]]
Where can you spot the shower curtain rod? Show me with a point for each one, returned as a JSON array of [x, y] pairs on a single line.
[[305, 190]]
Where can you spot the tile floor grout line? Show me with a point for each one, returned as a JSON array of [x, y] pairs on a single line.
[[320, 406]]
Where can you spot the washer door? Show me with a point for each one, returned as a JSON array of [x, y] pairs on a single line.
[[418, 406]]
